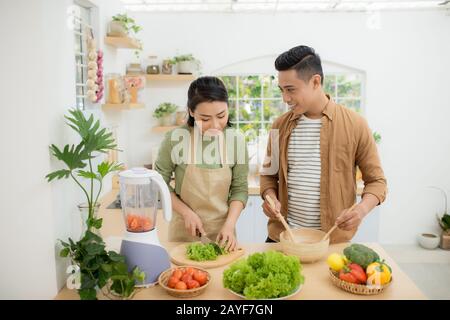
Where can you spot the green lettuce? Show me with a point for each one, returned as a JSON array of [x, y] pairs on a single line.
[[201, 252], [264, 275]]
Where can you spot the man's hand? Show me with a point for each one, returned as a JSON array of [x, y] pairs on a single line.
[[268, 211], [351, 219]]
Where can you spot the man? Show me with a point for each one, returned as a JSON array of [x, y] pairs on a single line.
[[311, 173]]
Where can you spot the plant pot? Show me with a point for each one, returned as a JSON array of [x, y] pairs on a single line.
[[186, 67], [168, 120], [181, 118], [116, 29], [429, 240], [445, 241]]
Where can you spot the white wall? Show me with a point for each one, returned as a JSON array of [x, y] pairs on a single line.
[[408, 71], [38, 88]]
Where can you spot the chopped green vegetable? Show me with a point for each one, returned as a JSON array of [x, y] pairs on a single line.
[[264, 275], [202, 252], [361, 255]]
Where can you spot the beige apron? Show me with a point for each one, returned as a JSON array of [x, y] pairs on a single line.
[[206, 192]]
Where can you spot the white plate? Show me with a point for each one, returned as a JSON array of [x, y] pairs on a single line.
[[281, 298]]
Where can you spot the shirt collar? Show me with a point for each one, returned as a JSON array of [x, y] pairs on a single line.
[[329, 110]]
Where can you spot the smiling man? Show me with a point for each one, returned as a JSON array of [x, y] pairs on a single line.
[[316, 150]]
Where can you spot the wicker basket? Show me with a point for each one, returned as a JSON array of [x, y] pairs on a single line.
[[357, 288], [188, 293]]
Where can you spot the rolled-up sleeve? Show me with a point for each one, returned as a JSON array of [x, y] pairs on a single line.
[[239, 182], [164, 164], [369, 163], [268, 178]]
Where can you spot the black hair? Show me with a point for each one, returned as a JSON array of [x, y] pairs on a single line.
[[205, 89], [303, 59]]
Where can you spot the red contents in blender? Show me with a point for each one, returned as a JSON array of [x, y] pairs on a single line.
[[138, 223]]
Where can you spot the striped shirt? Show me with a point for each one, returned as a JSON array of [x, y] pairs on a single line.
[[304, 174]]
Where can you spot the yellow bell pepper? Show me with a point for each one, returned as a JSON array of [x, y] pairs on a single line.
[[378, 273]]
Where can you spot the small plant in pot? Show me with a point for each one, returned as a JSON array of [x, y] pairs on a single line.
[[187, 64], [123, 26], [444, 221], [97, 269], [165, 113]]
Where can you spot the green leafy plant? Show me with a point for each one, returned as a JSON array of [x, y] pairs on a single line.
[[377, 137], [97, 266], [185, 57], [164, 109], [444, 218], [127, 22], [100, 268]]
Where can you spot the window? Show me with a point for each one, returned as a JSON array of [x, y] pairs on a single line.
[[256, 101], [345, 89], [82, 25]]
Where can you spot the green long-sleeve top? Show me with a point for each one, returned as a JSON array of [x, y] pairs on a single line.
[[167, 164]]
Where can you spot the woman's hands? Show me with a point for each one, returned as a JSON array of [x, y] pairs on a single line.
[[226, 237], [192, 223]]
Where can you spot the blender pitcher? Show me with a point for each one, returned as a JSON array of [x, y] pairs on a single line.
[[139, 190]]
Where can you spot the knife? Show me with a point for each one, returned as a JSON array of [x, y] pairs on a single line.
[[205, 240]]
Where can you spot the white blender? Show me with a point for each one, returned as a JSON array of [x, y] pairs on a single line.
[[139, 189]]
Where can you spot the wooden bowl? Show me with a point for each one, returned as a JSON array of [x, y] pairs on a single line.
[[188, 293], [360, 289], [309, 246]]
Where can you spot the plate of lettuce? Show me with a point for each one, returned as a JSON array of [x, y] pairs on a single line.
[[269, 275]]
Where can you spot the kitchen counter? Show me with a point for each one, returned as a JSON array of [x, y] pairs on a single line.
[[317, 283]]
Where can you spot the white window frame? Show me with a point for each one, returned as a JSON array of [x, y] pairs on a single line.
[[79, 30]]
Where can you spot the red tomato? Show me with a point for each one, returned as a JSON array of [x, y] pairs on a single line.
[[186, 277], [172, 282], [181, 285], [190, 271], [193, 284], [200, 277], [177, 273]]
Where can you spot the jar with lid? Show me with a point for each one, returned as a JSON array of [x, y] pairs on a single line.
[[153, 67]]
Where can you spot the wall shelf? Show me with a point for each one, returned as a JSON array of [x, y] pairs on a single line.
[[169, 77], [163, 129], [122, 106], [123, 42]]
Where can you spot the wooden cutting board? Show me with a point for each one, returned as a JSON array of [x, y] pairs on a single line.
[[178, 257]]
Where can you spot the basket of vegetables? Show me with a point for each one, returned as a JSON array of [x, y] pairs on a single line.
[[359, 270]]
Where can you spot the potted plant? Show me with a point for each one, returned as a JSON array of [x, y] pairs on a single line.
[[187, 64], [444, 221], [165, 113], [97, 268], [121, 26]]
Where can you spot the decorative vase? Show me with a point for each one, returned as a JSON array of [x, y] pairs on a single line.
[[166, 67], [83, 210], [167, 120]]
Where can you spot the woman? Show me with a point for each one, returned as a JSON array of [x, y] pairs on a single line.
[[209, 195]]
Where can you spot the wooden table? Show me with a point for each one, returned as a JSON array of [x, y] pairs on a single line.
[[317, 283]]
